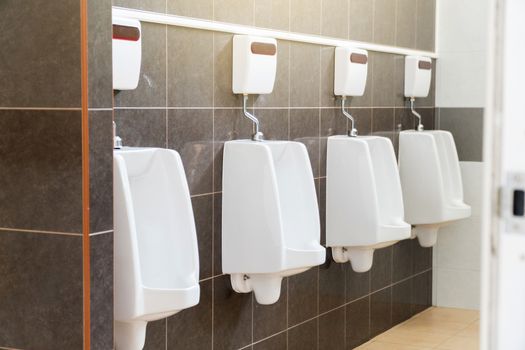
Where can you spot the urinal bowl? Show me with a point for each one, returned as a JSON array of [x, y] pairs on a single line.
[[270, 218], [364, 206], [156, 265], [431, 182]]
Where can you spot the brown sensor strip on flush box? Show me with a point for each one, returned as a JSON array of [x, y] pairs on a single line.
[[358, 58], [263, 49], [125, 33], [425, 65]]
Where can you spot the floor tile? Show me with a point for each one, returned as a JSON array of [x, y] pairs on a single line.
[[460, 343]]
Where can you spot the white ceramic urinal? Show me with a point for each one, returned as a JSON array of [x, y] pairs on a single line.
[[156, 257], [431, 182], [270, 217], [364, 206]]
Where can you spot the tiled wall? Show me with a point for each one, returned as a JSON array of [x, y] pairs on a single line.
[[41, 260], [184, 102]]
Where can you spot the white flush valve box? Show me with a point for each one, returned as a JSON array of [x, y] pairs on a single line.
[[254, 64], [418, 74], [127, 52], [351, 68]]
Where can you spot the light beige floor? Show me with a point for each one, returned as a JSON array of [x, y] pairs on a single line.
[[435, 328]]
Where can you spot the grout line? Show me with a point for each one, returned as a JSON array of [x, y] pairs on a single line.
[[40, 109], [100, 233], [100, 109], [41, 232]]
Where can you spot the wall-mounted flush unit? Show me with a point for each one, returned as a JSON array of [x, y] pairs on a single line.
[[270, 217], [428, 165], [127, 53], [418, 75], [156, 264], [364, 206]]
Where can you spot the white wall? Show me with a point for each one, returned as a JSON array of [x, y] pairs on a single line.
[[462, 47], [462, 38], [457, 252]]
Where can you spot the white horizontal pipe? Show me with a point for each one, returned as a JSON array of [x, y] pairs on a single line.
[[181, 21]]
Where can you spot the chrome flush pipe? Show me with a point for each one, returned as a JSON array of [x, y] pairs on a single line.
[[257, 136], [353, 131], [418, 116]]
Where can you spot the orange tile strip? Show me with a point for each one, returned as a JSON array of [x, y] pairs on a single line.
[[85, 174]]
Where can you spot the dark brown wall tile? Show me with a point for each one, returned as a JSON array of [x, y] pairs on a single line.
[[383, 122], [357, 322], [381, 272], [270, 319], [141, 127], [382, 79], [191, 329], [331, 286], [304, 75], [302, 296], [151, 91], [190, 132], [402, 260], [273, 123], [99, 54], [41, 170], [53, 79], [277, 342], [156, 335], [222, 51], [217, 234], [304, 336], [402, 301], [332, 330], [399, 82], [357, 284], [190, 67], [202, 211], [101, 263], [304, 127], [41, 291], [422, 257], [232, 316], [422, 291], [466, 125], [101, 170], [328, 99], [380, 311]]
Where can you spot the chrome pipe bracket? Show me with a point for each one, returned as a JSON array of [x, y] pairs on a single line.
[[420, 126], [257, 136], [352, 132]]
